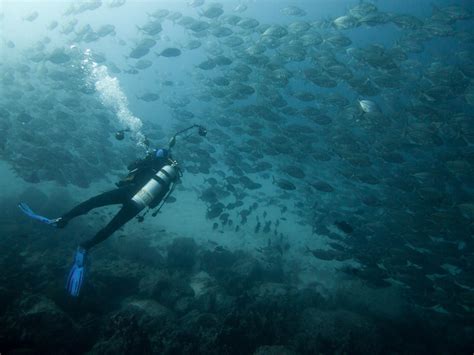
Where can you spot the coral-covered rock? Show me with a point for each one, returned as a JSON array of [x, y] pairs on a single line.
[[273, 350], [182, 253], [336, 331], [167, 291], [39, 322], [124, 332]]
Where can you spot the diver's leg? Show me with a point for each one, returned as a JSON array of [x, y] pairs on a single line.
[[112, 197], [126, 213]]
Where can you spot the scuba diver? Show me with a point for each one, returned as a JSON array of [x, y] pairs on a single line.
[[149, 181]]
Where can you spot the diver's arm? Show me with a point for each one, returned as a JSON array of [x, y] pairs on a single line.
[[139, 163], [134, 165]]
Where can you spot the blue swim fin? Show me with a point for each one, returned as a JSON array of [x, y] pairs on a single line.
[[29, 212], [76, 274]]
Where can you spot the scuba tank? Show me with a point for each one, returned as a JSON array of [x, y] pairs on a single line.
[[160, 182], [163, 179]]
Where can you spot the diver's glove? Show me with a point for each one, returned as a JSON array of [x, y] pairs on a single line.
[[76, 274]]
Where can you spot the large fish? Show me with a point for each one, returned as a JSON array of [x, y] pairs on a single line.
[[139, 52], [169, 52], [31, 17], [368, 106], [283, 184]]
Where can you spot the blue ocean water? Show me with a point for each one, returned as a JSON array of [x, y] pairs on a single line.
[[328, 209]]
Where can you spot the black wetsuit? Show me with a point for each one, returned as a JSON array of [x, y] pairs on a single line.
[[140, 172]]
